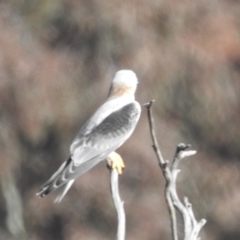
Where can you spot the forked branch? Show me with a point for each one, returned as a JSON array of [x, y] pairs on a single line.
[[191, 226]]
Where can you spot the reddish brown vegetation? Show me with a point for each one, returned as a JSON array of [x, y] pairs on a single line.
[[57, 59]]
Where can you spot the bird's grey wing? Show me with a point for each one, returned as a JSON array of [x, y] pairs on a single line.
[[101, 141], [95, 146], [109, 134]]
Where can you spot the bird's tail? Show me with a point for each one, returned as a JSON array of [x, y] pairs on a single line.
[[64, 191], [66, 176], [51, 185]]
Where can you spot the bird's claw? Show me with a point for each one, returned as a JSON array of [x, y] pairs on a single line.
[[115, 161]]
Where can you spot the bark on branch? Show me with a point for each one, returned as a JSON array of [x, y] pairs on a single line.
[[116, 165], [191, 226], [119, 205]]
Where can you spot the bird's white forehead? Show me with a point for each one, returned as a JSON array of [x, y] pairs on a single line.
[[125, 77]]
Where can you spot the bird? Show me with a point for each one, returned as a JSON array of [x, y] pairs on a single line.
[[108, 128]]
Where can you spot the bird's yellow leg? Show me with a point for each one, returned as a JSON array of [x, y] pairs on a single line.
[[115, 162]]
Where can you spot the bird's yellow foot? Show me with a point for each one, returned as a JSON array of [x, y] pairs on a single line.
[[115, 162]]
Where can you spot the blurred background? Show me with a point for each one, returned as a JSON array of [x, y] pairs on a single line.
[[57, 59]]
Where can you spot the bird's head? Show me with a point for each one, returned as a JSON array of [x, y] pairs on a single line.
[[124, 83]]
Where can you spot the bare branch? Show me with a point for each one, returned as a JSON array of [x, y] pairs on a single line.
[[191, 226], [118, 203], [165, 170], [155, 145]]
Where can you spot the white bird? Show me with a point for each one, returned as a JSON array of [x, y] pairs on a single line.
[[109, 127]]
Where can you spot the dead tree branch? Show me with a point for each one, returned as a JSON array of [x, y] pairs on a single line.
[[165, 170], [118, 203], [191, 226], [115, 164]]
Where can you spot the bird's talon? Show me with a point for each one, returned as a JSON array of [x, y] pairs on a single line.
[[116, 162]]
